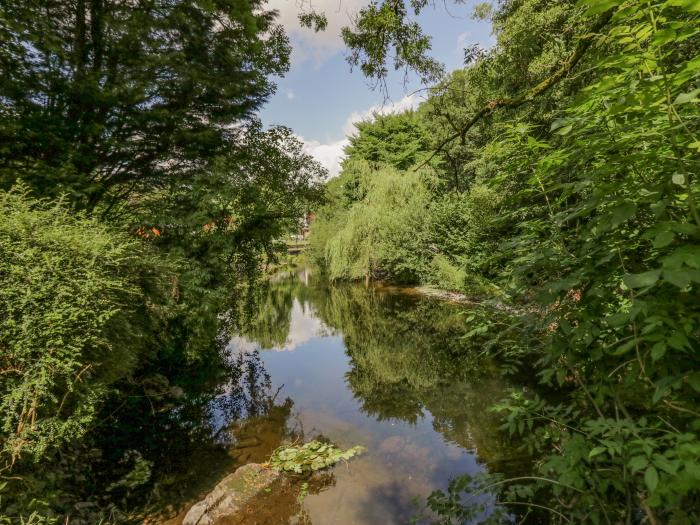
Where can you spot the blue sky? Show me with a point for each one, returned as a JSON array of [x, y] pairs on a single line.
[[320, 97]]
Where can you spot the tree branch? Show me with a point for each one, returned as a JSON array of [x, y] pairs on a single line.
[[583, 44]]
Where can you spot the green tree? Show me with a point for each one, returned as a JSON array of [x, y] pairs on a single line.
[[106, 99], [399, 140]]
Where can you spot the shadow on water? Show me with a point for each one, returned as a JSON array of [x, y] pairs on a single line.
[[208, 436]]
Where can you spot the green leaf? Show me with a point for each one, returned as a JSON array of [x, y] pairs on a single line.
[[651, 478], [641, 280], [664, 36], [679, 278], [558, 124], [600, 6], [678, 340], [663, 239], [623, 349], [596, 451], [663, 463], [678, 178], [637, 463], [690, 5], [658, 351], [623, 212], [694, 381], [684, 98]]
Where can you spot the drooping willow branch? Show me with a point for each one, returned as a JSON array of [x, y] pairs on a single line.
[[569, 64]]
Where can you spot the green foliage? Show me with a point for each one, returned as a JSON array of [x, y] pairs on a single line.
[[398, 140], [225, 223], [139, 476], [105, 98], [142, 115], [384, 231], [382, 32], [605, 229], [312, 19], [580, 209], [623, 238], [72, 297], [402, 226], [463, 238], [310, 457]]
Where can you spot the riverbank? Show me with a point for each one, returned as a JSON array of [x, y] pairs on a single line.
[[428, 291]]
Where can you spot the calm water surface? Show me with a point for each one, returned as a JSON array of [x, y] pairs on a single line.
[[389, 371]]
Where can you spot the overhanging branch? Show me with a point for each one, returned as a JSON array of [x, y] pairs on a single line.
[[584, 43]]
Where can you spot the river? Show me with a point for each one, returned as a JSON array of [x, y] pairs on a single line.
[[377, 367]]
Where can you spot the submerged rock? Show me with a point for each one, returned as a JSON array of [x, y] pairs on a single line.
[[231, 496]]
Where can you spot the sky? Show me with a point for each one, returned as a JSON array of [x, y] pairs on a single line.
[[320, 97]]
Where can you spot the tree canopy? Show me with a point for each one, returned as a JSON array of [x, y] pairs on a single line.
[[113, 98], [141, 199]]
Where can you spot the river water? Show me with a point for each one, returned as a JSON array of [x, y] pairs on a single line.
[[385, 369]]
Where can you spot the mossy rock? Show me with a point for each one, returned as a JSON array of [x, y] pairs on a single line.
[[230, 497]]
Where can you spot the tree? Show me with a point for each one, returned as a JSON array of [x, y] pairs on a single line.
[[398, 140], [105, 98]]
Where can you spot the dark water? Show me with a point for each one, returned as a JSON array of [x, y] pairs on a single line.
[[386, 370]]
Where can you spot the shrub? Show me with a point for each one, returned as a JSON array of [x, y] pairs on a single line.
[[71, 298]]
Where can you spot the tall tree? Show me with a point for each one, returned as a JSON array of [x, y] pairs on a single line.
[[111, 97], [397, 140]]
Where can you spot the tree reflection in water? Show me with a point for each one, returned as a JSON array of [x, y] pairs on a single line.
[[409, 358], [206, 436]]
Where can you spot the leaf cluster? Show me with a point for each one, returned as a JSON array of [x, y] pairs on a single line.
[[310, 457]]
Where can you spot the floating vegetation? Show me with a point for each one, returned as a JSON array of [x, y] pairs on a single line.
[[310, 457]]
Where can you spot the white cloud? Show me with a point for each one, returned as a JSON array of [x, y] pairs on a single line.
[[330, 155], [463, 38], [304, 325], [406, 103], [291, 95], [308, 45]]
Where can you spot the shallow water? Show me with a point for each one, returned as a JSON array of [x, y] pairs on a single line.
[[372, 367]]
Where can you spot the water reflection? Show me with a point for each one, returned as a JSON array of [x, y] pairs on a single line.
[[390, 371], [201, 437]]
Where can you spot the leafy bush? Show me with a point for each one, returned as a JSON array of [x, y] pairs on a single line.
[[71, 306], [446, 275]]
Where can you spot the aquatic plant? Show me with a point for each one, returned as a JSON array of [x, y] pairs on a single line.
[[310, 457]]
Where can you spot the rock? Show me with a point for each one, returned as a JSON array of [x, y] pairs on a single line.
[[231, 495]]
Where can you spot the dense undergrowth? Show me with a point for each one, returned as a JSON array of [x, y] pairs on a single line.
[[560, 177]]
